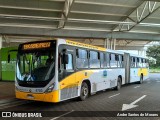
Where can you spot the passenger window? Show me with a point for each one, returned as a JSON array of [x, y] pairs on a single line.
[[122, 61], [133, 62], [69, 66], [138, 62], [94, 61], [143, 63], [102, 58], [118, 59], [108, 59], [82, 59], [119, 64], [113, 62]]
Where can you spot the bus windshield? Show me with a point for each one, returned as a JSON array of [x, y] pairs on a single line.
[[35, 67]]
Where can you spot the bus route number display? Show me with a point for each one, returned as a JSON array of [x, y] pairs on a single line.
[[36, 45]]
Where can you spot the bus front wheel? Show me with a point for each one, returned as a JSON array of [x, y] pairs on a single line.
[[84, 91], [119, 83]]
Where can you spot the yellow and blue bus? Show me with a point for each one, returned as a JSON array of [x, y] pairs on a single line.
[[57, 70]]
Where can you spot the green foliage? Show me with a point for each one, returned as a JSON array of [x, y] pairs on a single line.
[[154, 53], [154, 70]]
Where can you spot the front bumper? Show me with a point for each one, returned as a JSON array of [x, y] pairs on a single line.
[[45, 97]]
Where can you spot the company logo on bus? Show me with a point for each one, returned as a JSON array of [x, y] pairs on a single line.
[[30, 90], [36, 45]]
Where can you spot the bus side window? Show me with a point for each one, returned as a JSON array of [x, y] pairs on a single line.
[[138, 62], [81, 58], [118, 59], [113, 62], [133, 62], [122, 61], [102, 59], [108, 60], [69, 66], [93, 60], [143, 63]]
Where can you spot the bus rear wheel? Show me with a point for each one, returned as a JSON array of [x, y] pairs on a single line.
[[119, 83], [84, 91], [141, 79]]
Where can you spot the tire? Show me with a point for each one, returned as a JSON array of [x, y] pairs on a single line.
[[119, 83], [84, 91], [141, 79]]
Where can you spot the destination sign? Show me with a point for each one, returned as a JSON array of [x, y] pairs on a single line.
[[36, 45]]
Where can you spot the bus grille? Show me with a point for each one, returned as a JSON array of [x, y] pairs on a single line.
[[69, 93]]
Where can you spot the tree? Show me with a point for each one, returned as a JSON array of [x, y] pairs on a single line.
[[154, 52]]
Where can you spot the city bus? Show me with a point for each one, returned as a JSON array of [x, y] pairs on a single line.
[[60, 69]]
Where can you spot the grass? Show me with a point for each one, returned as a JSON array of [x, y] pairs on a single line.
[[154, 70]]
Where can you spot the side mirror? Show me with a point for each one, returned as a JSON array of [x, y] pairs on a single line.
[[9, 58], [65, 58]]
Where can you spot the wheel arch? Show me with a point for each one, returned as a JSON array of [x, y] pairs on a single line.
[[142, 75], [120, 76]]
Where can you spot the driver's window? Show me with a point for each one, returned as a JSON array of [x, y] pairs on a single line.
[[69, 66]]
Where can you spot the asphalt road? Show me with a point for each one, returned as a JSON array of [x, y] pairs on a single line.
[[146, 96]]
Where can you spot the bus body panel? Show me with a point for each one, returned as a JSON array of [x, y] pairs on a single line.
[[137, 72], [98, 80]]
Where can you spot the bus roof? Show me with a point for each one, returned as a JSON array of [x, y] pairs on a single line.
[[73, 43], [69, 42]]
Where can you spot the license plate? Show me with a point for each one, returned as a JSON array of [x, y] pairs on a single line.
[[30, 96]]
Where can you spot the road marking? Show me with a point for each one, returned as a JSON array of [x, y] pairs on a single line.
[[13, 104], [137, 86], [132, 105], [148, 82], [158, 81], [113, 95], [62, 115]]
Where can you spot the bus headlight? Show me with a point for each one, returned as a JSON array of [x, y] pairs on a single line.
[[50, 88]]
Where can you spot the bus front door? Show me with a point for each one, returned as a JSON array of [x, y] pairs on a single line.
[[67, 75]]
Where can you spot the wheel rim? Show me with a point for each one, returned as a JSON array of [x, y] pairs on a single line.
[[118, 85], [84, 91], [141, 80]]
